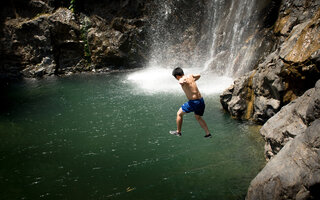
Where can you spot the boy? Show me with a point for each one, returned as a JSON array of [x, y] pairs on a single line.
[[195, 103]]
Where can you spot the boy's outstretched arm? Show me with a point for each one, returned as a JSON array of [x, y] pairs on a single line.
[[196, 76]]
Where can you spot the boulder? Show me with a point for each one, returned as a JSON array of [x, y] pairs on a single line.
[[291, 121], [46, 67], [294, 173], [234, 99], [265, 108]]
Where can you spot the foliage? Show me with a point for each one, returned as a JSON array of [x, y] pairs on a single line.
[[85, 26], [72, 5]]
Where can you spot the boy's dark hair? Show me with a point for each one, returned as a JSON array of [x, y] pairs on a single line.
[[177, 72]]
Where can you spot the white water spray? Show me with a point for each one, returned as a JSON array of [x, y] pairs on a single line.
[[158, 79], [224, 50]]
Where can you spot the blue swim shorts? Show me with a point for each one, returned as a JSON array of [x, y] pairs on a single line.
[[197, 106]]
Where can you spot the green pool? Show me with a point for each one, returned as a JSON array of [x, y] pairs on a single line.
[[103, 137]]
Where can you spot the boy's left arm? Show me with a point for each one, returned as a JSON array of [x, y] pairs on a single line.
[[196, 76]]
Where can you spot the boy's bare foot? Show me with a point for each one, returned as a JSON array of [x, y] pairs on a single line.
[[175, 133]]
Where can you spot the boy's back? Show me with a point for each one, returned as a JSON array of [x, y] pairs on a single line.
[[189, 86]]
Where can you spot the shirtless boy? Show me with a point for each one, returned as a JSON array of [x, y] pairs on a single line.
[[195, 103]]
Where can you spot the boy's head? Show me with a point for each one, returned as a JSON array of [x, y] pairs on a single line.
[[177, 72]]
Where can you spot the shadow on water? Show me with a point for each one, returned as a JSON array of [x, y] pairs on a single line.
[[103, 137]]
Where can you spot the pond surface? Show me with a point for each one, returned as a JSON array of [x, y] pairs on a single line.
[[103, 137]]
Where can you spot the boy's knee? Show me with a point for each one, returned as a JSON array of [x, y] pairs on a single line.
[[198, 117], [180, 113]]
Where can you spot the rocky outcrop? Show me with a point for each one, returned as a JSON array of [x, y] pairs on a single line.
[[121, 44], [277, 94], [46, 38], [116, 32], [292, 145], [291, 121], [287, 72], [45, 44], [294, 173]]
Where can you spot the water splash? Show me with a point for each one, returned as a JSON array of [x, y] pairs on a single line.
[[159, 79], [217, 39]]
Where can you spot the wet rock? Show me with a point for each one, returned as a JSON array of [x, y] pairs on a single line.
[[290, 121], [39, 6], [284, 75], [258, 93], [234, 99], [104, 47], [294, 173], [44, 44], [66, 41], [46, 67], [284, 25], [119, 45], [100, 35], [265, 108], [302, 42]]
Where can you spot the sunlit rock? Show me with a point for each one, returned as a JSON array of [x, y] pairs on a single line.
[[294, 173]]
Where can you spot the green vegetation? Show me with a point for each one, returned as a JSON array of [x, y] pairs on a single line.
[[85, 26], [72, 5]]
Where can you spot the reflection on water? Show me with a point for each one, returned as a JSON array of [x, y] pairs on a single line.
[[102, 137]]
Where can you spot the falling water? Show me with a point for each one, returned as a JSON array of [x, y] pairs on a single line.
[[233, 26], [217, 38]]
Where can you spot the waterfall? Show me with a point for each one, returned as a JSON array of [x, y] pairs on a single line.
[[217, 38], [234, 36]]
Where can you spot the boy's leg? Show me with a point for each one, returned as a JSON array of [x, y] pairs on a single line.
[[179, 120], [202, 123]]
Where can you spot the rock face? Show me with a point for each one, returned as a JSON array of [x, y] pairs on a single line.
[[122, 44], [292, 147], [294, 173], [43, 37], [38, 44], [277, 94], [291, 121], [55, 43], [287, 72]]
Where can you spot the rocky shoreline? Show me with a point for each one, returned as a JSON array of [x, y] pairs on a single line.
[[53, 37], [43, 38], [292, 148], [283, 94], [284, 75]]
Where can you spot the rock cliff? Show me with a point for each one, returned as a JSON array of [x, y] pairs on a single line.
[[291, 121], [294, 173], [292, 147], [44, 37], [286, 73], [282, 93]]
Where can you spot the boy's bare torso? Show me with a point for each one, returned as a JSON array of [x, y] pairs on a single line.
[[189, 86]]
